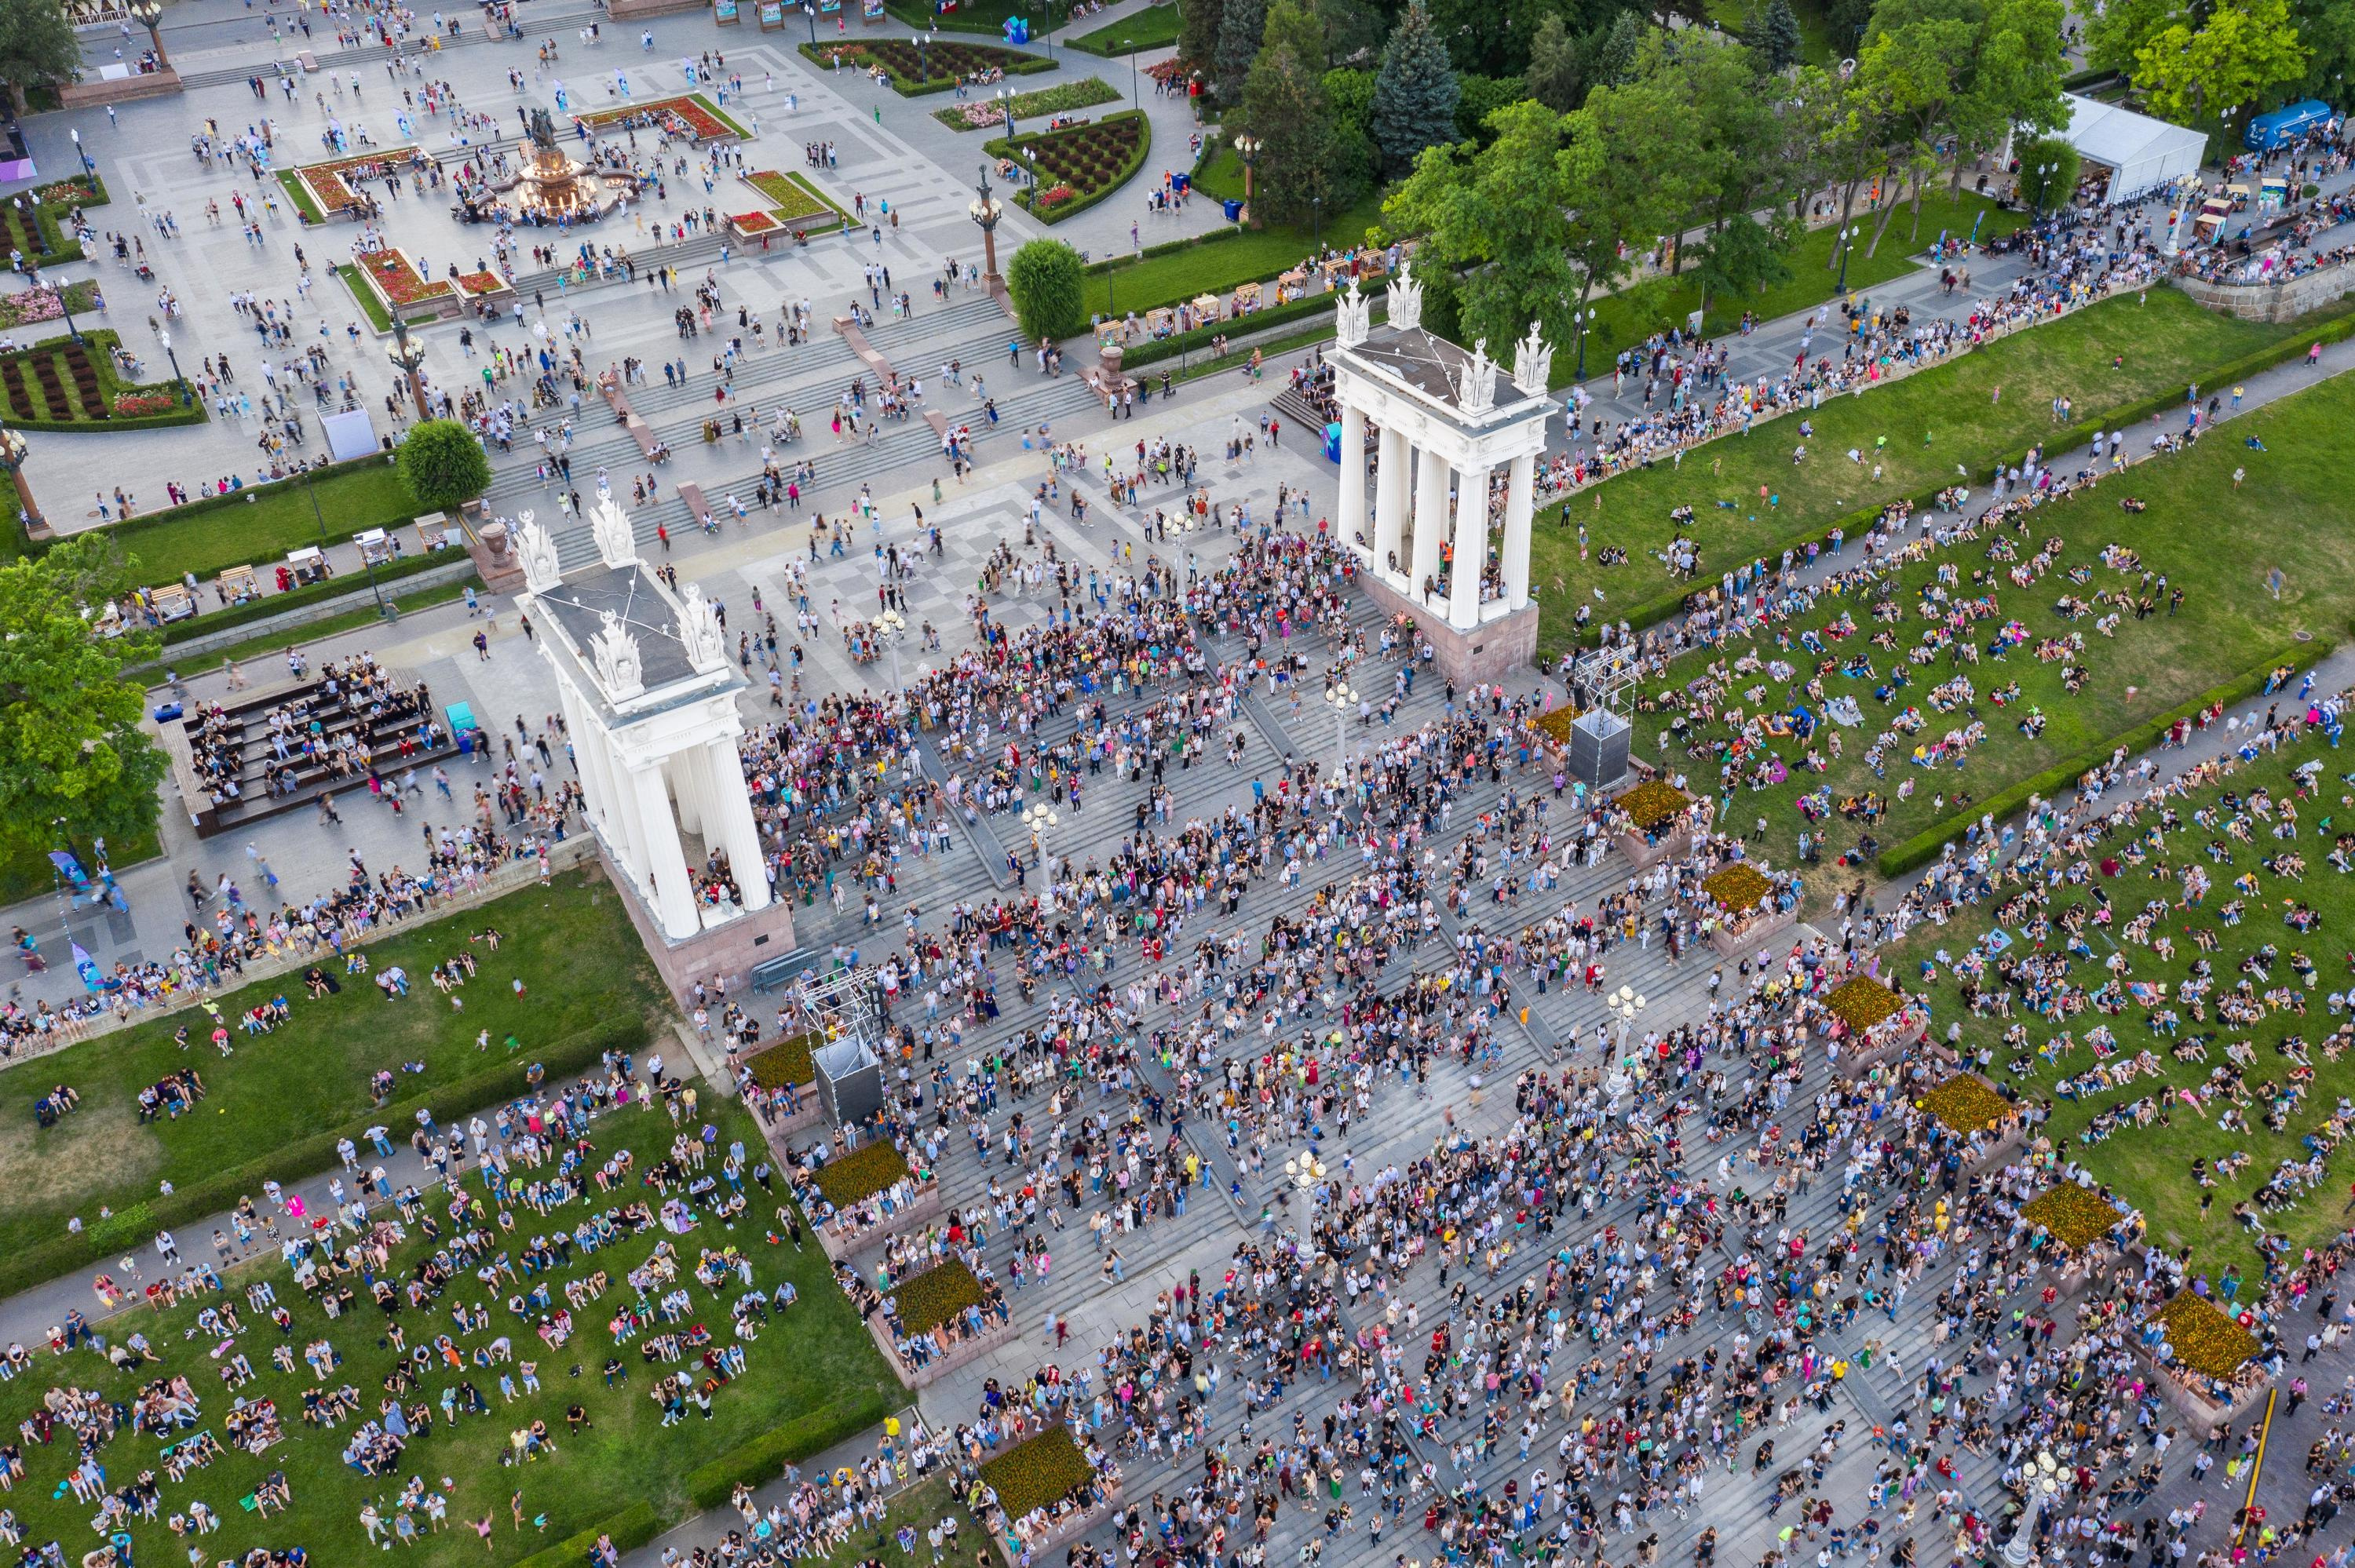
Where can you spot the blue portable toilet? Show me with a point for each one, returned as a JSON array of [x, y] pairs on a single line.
[[1333, 441], [2285, 125]]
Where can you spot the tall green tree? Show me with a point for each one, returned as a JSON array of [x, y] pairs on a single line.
[[2114, 37], [1744, 257], [1481, 97], [1049, 287], [1616, 54], [1555, 77], [2244, 49], [2049, 167], [2326, 30], [1777, 40], [1353, 32], [1284, 105], [443, 464], [1500, 217], [1199, 25], [1415, 93], [1240, 24], [73, 760], [38, 46], [1479, 34], [1846, 21]]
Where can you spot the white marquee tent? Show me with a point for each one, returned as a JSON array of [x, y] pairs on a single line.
[[2141, 153]]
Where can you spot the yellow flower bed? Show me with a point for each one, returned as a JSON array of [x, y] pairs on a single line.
[[861, 1173], [1038, 1473], [1652, 802], [2074, 1216], [786, 1062], [935, 1296], [2203, 1337], [1737, 886], [1964, 1103], [1555, 726], [1861, 1001]]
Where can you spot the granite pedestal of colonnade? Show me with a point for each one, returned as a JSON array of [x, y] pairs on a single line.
[[650, 705], [1449, 423]]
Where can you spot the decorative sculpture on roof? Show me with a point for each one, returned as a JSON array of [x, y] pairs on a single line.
[[700, 630], [1406, 299], [615, 542], [539, 554], [619, 671], [1353, 317], [1532, 363], [1476, 394]]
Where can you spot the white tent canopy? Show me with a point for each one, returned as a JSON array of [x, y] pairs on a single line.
[[2141, 153]]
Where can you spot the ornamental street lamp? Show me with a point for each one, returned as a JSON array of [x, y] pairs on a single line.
[[1847, 238], [891, 626], [985, 212], [186, 396], [87, 166], [1130, 44], [406, 357], [147, 12], [1247, 148], [1038, 817], [1578, 319], [13, 452], [1343, 696], [2042, 1484]]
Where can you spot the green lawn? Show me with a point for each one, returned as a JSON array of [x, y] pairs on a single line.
[[27, 873], [366, 614], [258, 525], [305, 204], [1154, 28], [812, 1375], [1254, 255], [1814, 26], [1935, 420], [2150, 1166], [1628, 317], [276, 1104], [2214, 542], [370, 304]]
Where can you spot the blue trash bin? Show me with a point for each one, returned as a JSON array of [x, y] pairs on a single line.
[[1234, 210]]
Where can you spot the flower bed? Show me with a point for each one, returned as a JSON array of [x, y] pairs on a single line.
[[28, 307], [935, 1296], [1737, 887], [1078, 166], [474, 284], [76, 190], [860, 1174], [395, 277], [1965, 1103], [689, 113], [2203, 1337], [786, 1062], [131, 403], [1039, 1473], [1169, 70], [1554, 724], [791, 202], [981, 113], [2073, 1215], [752, 223], [935, 66], [326, 185], [1861, 1001], [1653, 802]]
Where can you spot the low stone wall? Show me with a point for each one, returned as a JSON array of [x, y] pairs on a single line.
[[1643, 854], [2278, 301], [1042, 1550], [97, 90], [1761, 931], [939, 1367], [924, 1207]]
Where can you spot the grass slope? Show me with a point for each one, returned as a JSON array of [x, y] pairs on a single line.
[[1154, 28], [258, 525]]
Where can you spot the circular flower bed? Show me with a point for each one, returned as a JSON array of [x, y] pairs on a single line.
[[1861, 1001], [2203, 1337], [1653, 802], [1737, 886], [2073, 1215], [935, 1296], [1965, 1103]]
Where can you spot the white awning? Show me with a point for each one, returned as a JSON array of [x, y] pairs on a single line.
[[2141, 153]]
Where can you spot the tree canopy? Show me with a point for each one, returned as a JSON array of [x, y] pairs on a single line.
[[1049, 287], [443, 464], [38, 46], [1415, 93]]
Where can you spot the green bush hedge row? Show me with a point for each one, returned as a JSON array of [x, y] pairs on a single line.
[[1258, 321], [1923, 848], [260, 609], [2332, 331], [147, 521], [1004, 147], [630, 1529], [303, 1156], [764, 1458], [1166, 248]]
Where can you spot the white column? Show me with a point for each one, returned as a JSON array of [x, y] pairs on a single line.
[[1521, 507], [685, 773], [1430, 515], [1389, 503], [665, 861], [1471, 548], [731, 822], [1353, 475]]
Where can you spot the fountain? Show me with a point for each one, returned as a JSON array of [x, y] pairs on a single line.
[[550, 188]]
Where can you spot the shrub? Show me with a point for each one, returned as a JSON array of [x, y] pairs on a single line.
[[860, 1174], [1048, 290], [443, 465], [1038, 1473]]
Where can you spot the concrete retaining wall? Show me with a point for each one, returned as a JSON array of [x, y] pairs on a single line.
[[2272, 301]]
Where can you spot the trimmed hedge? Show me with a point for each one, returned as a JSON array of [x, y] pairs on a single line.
[[1275, 315], [1166, 248], [262, 608], [301, 1157], [1923, 848], [630, 1529], [764, 1458], [97, 345], [2334, 330]]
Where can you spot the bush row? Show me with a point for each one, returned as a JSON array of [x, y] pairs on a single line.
[[1854, 523], [1200, 338], [764, 1458], [1166, 248], [629, 1530], [1926, 847], [1005, 147], [262, 608], [303, 1156]]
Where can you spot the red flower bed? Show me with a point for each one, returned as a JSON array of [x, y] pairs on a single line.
[[481, 282], [327, 184], [130, 403], [753, 222], [398, 280], [687, 114]]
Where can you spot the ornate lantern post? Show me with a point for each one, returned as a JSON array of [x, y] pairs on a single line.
[[985, 212], [406, 357]]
